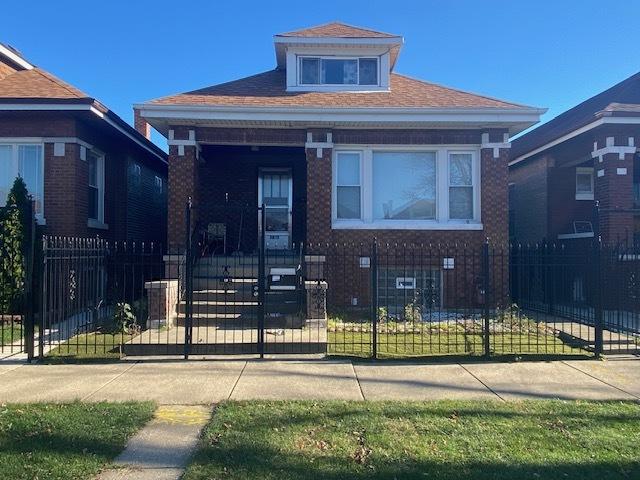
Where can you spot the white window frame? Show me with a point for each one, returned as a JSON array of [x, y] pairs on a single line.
[[347, 86], [474, 182], [334, 175], [15, 163], [100, 161], [585, 171], [441, 222], [158, 183]]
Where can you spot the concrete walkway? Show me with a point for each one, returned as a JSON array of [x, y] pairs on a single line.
[[161, 450], [178, 382]]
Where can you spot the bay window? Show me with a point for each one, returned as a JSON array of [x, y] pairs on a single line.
[[406, 188], [338, 71], [25, 161]]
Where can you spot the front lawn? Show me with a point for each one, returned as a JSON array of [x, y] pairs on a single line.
[[404, 440], [89, 346], [65, 441], [10, 333]]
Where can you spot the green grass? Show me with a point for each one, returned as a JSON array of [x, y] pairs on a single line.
[[90, 346], [65, 441], [445, 343], [10, 334], [437, 440]]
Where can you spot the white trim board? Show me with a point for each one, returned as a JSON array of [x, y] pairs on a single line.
[[575, 133], [15, 58], [72, 107]]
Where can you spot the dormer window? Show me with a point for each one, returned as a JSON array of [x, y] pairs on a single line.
[[338, 71]]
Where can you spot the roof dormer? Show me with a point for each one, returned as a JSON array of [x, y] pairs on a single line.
[[337, 57]]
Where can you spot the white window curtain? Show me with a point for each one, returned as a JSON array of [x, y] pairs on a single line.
[[348, 194], [461, 186]]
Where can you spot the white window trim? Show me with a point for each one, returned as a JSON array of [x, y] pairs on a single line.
[[40, 218], [334, 175], [585, 171], [442, 221], [338, 57], [99, 222]]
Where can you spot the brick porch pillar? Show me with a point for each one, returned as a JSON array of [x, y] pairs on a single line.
[[319, 148], [494, 201], [183, 183], [613, 165]]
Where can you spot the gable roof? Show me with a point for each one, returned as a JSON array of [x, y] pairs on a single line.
[[625, 92], [268, 89], [33, 88], [38, 84], [337, 30]]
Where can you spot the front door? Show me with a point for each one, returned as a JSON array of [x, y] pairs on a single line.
[[275, 190]]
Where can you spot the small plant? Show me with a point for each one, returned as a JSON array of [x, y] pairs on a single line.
[[383, 314], [413, 313], [124, 319]]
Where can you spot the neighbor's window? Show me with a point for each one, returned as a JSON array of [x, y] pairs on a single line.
[[158, 185], [96, 186], [338, 71], [348, 186], [26, 161], [404, 185], [584, 183], [135, 174], [461, 186]]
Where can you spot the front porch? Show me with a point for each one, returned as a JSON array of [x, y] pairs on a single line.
[[231, 183]]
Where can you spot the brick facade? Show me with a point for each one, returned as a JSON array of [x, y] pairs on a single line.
[[66, 177]]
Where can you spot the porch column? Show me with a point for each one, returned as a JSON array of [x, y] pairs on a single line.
[[494, 179], [494, 201], [319, 148], [613, 166], [183, 183]]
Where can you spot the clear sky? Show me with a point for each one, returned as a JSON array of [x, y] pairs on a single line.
[[544, 53]]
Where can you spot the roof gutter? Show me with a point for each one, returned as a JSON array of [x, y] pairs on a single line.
[[14, 57], [87, 107], [319, 114]]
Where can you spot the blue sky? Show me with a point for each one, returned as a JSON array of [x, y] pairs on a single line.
[[546, 53]]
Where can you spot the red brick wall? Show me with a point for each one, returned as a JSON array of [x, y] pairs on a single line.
[[182, 184], [141, 125], [66, 177]]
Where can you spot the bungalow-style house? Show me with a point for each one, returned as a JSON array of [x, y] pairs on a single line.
[[89, 172], [354, 149], [340, 149], [588, 154]]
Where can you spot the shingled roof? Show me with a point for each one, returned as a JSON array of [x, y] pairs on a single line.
[[625, 92], [38, 84], [268, 89], [338, 30]]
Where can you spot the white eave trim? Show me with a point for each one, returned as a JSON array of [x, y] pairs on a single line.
[[76, 107], [575, 133], [15, 58], [323, 114]]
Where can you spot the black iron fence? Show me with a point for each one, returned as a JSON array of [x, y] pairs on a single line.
[[104, 299], [17, 292]]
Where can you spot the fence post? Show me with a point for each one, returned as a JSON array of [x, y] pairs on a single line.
[[374, 298], [597, 307], [486, 280], [29, 290], [261, 281], [187, 281]]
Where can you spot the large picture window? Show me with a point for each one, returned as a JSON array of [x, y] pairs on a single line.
[[338, 71], [406, 188], [26, 161], [404, 185]]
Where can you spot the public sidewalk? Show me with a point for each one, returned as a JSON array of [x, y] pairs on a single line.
[[197, 382]]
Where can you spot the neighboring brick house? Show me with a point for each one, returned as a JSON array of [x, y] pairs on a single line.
[[356, 150], [589, 153], [89, 172]]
